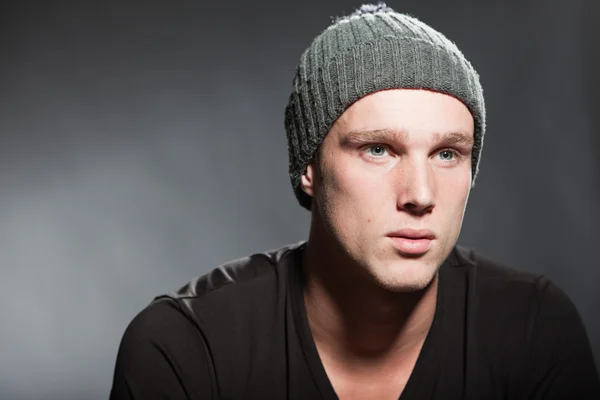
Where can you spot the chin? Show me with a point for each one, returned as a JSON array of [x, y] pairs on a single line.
[[407, 286], [407, 275]]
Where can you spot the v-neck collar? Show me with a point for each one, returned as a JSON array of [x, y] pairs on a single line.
[[429, 356]]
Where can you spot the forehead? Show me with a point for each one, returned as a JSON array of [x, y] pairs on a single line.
[[407, 110]]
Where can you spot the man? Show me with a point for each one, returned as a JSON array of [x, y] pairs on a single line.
[[385, 128]]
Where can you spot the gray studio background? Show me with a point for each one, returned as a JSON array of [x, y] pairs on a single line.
[[142, 145]]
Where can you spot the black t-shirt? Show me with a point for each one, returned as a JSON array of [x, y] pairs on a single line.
[[241, 332]]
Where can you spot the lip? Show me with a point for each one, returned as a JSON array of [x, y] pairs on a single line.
[[412, 242], [412, 234]]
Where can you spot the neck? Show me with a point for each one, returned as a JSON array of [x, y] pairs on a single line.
[[354, 320]]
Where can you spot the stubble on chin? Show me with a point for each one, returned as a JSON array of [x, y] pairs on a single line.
[[398, 273]]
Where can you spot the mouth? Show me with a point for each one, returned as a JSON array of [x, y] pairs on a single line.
[[412, 242]]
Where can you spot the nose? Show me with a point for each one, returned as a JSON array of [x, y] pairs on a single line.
[[415, 188]]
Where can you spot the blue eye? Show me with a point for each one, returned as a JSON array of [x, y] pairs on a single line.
[[379, 151], [447, 155]]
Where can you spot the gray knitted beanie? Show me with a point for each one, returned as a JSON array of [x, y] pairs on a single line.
[[373, 49]]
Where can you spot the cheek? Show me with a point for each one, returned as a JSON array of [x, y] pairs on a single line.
[[349, 198], [455, 194], [349, 187]]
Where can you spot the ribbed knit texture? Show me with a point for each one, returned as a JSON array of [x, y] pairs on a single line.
[[372, 50]]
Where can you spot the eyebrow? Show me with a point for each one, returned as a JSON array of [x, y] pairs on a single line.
[[357, 137], [375, 135], [458, 138]]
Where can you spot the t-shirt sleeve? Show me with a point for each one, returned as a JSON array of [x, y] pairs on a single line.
[[561, 364], [162, 355]]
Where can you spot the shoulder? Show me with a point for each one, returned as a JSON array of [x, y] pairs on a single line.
[[239, 271], [223, 293], [513, 286], [161, 355], [509, 288], [187, 340], [509, 304], [531, 324], [498, 285], [225, 297], [237, 285], [487, 268]]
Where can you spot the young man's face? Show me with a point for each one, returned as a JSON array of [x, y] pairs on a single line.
[[396, 159]]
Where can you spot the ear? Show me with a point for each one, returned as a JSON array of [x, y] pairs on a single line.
[[307, 180]]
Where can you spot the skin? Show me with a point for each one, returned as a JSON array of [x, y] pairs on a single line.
[[394, 159]]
